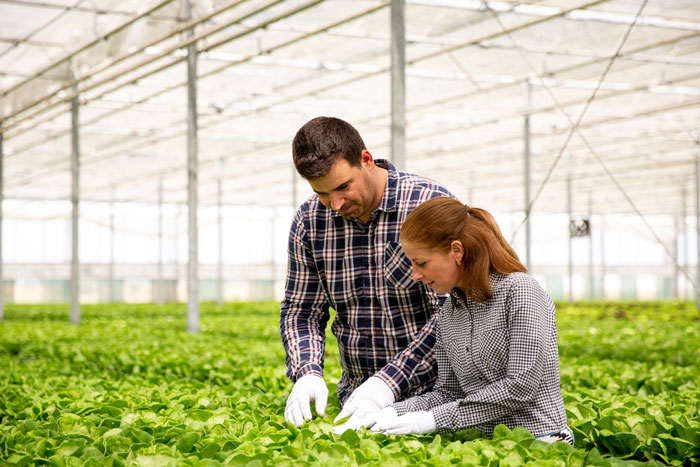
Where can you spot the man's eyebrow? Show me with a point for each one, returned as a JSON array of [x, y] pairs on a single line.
[[342, 185]]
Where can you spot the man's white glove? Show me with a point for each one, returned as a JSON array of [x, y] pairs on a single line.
[[307, 388], [389, 422], [369, 398]]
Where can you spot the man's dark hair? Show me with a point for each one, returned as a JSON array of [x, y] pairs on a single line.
[[321, 142]]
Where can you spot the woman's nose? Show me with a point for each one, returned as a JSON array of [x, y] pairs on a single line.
[[416, 275]]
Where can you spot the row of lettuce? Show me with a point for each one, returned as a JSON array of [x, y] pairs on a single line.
[[130, 387]]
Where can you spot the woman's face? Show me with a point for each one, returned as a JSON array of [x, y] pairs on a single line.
[[438, 270]]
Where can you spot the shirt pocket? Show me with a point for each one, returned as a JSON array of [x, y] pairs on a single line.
[[458, 354], [397, 267], [491, 352]]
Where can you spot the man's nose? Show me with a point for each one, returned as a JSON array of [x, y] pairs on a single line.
[[337, 201]]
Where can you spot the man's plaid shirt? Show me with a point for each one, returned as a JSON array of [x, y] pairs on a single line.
[[362, 273]]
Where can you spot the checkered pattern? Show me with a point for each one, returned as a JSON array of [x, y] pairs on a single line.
[[498, 361], [362, 273], [565, 435]]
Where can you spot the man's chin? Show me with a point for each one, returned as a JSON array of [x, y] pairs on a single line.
[[349, 215]]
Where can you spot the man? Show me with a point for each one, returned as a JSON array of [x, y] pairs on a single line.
[[344, 253]]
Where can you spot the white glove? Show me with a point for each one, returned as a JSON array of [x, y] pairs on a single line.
[[417, 423], [307, 388], [371, 397]]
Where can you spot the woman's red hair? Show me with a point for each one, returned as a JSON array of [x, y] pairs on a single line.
[[436, 223]]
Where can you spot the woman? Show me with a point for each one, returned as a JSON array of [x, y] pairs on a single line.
[[496, 344]]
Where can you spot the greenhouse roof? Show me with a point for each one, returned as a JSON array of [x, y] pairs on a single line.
[[612, 90]]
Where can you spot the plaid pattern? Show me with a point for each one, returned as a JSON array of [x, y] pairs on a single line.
[[362, 273], [498, 362]]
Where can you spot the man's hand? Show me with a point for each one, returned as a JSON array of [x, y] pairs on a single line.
[[307, 388], [371, 397], [389, 422]]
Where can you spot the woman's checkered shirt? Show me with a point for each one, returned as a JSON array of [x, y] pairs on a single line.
[[498, 361]]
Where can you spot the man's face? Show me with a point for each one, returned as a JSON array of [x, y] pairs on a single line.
[[348, 190]]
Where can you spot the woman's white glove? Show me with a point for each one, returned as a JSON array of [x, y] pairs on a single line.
[[307, 388], [389, 422], [369, 398]]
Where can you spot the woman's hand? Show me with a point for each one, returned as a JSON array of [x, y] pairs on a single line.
[[368, 399], [390, 423]]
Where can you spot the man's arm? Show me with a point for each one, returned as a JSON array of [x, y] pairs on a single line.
[[304, 310], [414, 369], [303, 319], [446, 389]]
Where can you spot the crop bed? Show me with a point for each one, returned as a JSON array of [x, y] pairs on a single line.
[[130, 387]]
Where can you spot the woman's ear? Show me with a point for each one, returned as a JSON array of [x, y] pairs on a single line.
[[457, 250]]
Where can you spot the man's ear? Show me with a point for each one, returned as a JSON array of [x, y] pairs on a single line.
[[367, 160], [457, 250]]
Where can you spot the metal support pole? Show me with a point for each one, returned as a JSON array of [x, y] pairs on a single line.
[[159, 284], [526, 156], [176, 247], [677, 254], [697, 222], [685, 236], [602, 257], [220, 264], [2, 186], [75, 198], [591, 280], [192, 183], [569, 203], [398, 85], [272, 256], [112, 285]]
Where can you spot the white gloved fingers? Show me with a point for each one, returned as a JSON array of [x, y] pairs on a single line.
[[370, 419], [321, 400], [347, 410], [297, 418], [399, 430], [410, 423], [386, 419], [392, 427], [353, 423], [373, 394], [359, 409], [340, 429], [293, 413], [288, 412], [306, 389], [359, 416], [305, 407]]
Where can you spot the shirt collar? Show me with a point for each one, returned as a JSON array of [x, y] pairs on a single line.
[[388, 202], [456, 294]]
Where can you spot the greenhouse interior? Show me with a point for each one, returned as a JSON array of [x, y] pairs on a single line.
[[147, 189]]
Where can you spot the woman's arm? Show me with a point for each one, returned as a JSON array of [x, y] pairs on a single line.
[[446, 387]]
